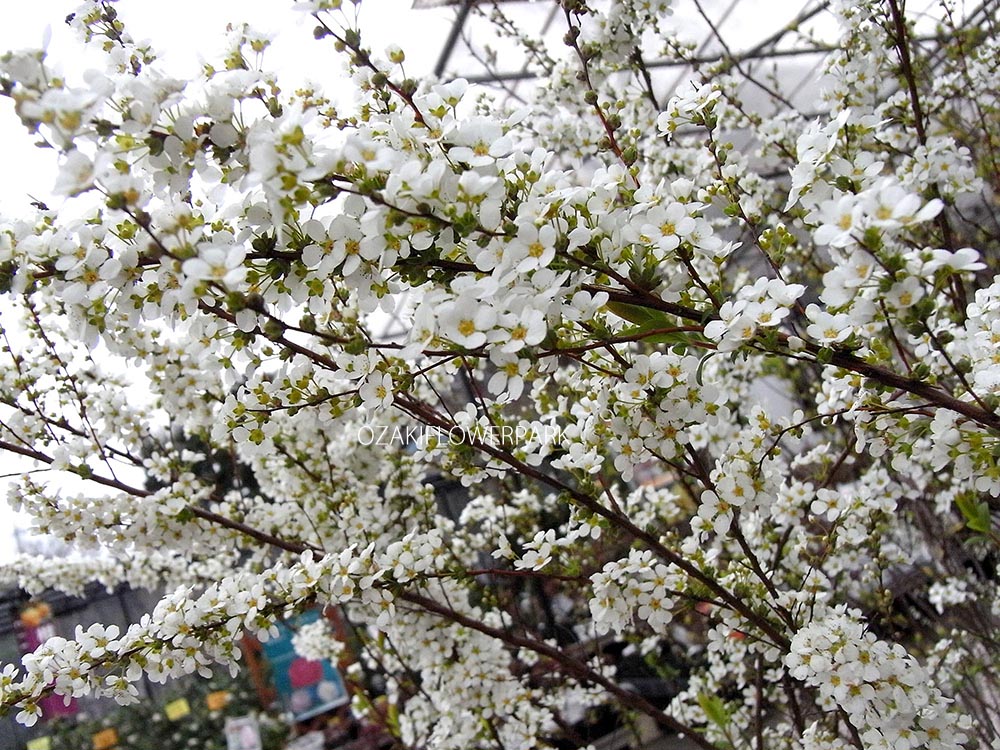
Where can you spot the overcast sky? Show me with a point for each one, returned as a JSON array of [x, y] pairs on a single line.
[[189, 32]]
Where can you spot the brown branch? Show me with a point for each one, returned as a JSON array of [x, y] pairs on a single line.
[[202, 513], [428, 416], [565, 663], [841, 359]]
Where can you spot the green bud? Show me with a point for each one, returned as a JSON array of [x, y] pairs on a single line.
[[274, 329], [254, 301], [236, 302], [352, 38], [116, 201], [356, 346], [845, 183]]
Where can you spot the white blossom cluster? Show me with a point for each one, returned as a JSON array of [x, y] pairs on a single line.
[[884, 692], [650, 397], [634, 587]]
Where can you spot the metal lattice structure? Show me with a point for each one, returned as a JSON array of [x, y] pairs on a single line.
[[777, 48]]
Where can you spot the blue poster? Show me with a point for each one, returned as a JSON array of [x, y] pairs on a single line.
[[306, 688]]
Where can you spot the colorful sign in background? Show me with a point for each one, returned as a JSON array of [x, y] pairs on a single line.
[[306, 688]]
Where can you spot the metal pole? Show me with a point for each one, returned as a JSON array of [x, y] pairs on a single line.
[[449, 45]]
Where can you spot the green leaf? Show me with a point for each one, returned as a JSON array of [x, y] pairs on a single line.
[[653, 333], [977, 515], [632, 313], [701, 367], [653, 326], [715, 709], [8, 270]]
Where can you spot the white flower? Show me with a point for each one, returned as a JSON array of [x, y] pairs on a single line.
[[948, 592], [219, 263], [467, 321], [29, 714], [666, 225], [889, 205], [534, 247], [715, 511], [525, 329], [76, 174], [508, 380], [478, 142], [827, 328], [839, 220], [963, 259], [689, 100], [538, 552], [905, 293], [376, 391], [730, 329]]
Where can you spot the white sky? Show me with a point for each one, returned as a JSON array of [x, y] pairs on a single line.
[[187, 33]]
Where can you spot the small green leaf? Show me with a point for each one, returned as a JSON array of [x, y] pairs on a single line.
[[715, 709], [699, 373], [631, 313], [653, 326], [977, 515], [658, 332]]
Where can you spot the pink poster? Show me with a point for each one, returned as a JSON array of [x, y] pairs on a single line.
[[36, 628]]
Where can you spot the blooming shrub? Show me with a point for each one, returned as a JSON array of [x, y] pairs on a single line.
[[598, 283]]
